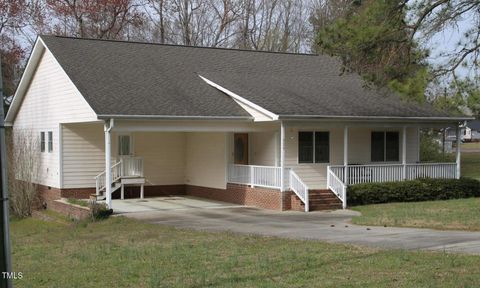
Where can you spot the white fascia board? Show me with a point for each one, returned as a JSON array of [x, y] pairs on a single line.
[[239, 99], [22, 87], [373, 118]]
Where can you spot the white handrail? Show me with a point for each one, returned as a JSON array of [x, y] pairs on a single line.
[[337, 186], [126, 167], [300, 188]]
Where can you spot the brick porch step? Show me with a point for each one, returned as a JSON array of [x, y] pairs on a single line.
[[323, 200]]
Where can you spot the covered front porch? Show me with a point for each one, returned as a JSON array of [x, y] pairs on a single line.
[[304, 159]]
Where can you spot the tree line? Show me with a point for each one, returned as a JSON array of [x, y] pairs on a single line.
[[386, 41]]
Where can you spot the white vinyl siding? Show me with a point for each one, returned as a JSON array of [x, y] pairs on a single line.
[[206, 160], [51, 99], [262, 148], [83, 154], [163, 156]]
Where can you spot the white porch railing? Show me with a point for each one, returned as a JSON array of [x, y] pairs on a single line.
[[431, 170], [126, 167], [300, 188], [374, 173], [337, 186], [264, 176], [358, 174]]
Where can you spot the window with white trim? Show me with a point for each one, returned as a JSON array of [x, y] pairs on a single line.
[[42, 141], [385, 146], [313, 147], [124, 145], [50, 141]]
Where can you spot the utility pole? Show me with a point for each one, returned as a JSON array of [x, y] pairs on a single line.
[[5, 256]]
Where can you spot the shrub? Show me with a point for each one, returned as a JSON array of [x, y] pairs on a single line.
[[414, 190], [99, 210], [431, 147]]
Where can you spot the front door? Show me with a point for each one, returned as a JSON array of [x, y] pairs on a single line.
[[240, 148]]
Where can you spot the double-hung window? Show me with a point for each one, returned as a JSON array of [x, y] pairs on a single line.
[[124, 145], [50, 141], [385, 146], [313, 147], [42, 141]]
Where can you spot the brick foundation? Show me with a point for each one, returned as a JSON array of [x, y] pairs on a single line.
[[78, 193], [240, 194], [47, 195], [51, 198], [150, 191]]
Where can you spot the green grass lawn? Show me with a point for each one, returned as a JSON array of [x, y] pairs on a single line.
[[470, 145], [457, 214], [121, 252], [470, 165]]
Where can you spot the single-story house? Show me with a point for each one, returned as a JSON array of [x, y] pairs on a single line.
[[274, 130]]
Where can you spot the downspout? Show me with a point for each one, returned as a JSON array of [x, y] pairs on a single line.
[[108, 162]]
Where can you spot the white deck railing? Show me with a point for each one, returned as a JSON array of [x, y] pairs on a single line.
[[132, 166], [264, 176], [299, 187], [126, 167], [372, 173]]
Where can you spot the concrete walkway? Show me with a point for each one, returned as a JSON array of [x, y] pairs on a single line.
[[326, 226]]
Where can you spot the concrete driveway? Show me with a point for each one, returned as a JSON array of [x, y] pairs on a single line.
[[167, 203], [326, 226]]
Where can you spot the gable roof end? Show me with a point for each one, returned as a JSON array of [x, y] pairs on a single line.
[[35, 56]]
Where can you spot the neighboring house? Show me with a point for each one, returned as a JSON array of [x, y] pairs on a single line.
[[473, 134], [469, 133], [273, 130]]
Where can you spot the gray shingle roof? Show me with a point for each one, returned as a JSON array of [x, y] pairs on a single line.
[[127, 78]]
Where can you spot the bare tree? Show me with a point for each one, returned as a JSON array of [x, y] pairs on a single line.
[[433, 16], [24, 166], [102, 19]]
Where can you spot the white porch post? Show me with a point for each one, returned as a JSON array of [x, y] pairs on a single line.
[[404, 152], [282, 157], [108, 163], [458, 151], [345, 155], [345, 165]]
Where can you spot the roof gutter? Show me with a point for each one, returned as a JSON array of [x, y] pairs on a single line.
[[373, 118], [170, 117]]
